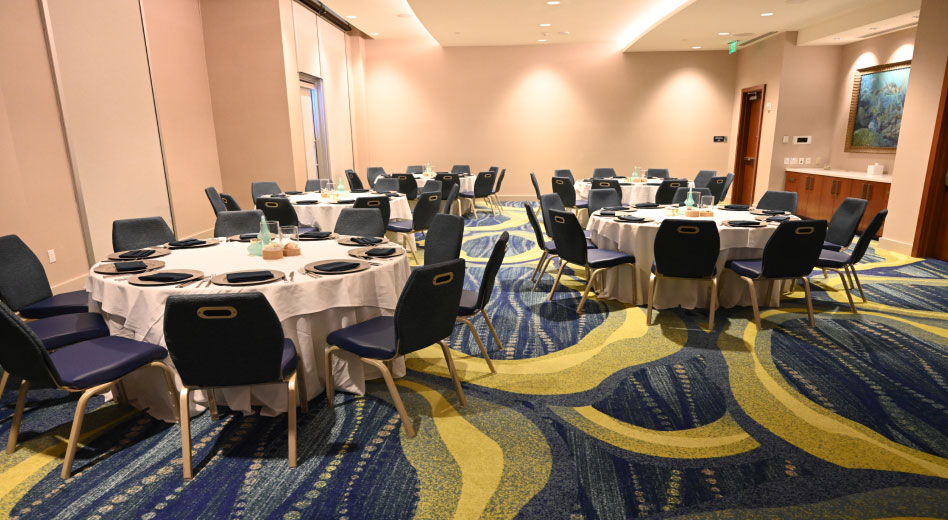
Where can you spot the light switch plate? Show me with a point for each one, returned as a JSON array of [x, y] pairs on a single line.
[[52, 256]]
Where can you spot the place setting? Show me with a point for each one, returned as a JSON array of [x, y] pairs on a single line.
[[179, 277], [193, 243], [138, 254], [248, 277], [610, 211], [735, 207], [744, 223], [336, 266], [633, 219], [310, 236], [360, 241], [127, 267], [376, 253]]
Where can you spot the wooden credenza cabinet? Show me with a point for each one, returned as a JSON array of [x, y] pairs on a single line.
[[819, 194]]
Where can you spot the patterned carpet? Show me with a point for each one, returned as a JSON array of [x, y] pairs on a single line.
[[588, 416]]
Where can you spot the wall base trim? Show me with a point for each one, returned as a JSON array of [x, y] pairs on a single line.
[[517, 198], [896, 246], [74, 284]]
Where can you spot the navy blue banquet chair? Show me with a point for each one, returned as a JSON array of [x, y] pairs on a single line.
[[237, 223], [607, 184], [425, 210], [260, 189], [311, 185], [372, 173], [778, 200], [536, 185], [496, 190], [604, 173], [459, 169], [215, 199], [567, 193], [424, 315], [386, 184], [407, 185], [474, 302], [451, 199], [432, 186], [552, 201], [380, 203], [681, 195], [25, 287], [602, 198], [226, 340], [361, 222], [686, 249], [483, 185], [281, 210], [355, 183], [842, 227], [571, 246], [666, 191], [229, 202], [415, 169], [448, 180], [493, 169], [661, 173], [136, 233], [91, 367], [728, 179], [704, 177], [791, 253], [443, 239], [565, 173], [842, 262], [547, 247], [717, 186]]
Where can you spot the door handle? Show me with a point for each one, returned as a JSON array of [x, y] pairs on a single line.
[[748, 159], [946, 178]]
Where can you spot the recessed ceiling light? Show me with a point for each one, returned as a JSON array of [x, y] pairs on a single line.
[[553, 2], [544, 25], [373, 34], [564, 33], [723, 34], [766, 14], [351, 17], [695, 46], [541, 40]]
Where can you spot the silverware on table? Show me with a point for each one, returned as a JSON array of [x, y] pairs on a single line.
[[291, 275], [189, 282]]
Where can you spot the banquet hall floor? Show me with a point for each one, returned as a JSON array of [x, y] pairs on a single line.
[[588, 416]]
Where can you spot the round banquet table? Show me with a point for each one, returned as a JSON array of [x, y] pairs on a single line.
[[632, 192], [737, 243], [308, 308], [325, 214]]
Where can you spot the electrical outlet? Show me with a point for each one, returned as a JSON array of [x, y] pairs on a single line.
[[786, 160], [793, 160], [800, 160], [52, 256], [808, 160], [819, 160], [786, 139]]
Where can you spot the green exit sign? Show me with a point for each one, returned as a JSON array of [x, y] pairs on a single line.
[[732, 47]]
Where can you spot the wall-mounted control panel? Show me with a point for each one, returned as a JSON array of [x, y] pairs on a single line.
[[802, 139]]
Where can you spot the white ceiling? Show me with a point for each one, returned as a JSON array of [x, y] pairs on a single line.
[[633, 25]]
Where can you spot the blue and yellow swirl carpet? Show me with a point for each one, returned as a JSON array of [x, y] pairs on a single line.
[[588, 416]]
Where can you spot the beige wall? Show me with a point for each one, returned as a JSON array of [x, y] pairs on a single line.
[[183, 98], [889, 48], [37, 201], [918, 126], [538, 108], [333, 67]]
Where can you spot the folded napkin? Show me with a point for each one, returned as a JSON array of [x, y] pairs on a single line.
[[646, 205], [629, 218], [736, 206], [360, 190], [772, 211], [315, 234], [606, 213], [248, 236], [121, 267], [778, 218], [249, 276], [137, 253], [335, 267], [366, 241], [186, 243], [743, 223], [345, 201], [278, 196], [165, 277], [292, 192], [616, 208], [306, 202], [381, 251]]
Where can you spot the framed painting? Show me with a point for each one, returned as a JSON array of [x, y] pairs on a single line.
[[875, 115]]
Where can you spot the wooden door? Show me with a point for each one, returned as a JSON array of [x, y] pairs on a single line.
[[876, 195], [748, 144], [833, 194], [931, 232], [817, 199]]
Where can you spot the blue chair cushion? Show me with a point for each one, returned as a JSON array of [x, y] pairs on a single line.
[[468, 303], [374, 339], [307, 229], [599, 258], [655, 269], [289, 360], [66, 329], [400, 226], [467, 194], [65, 303], [550, 247], [101, 360], [587, 233], [833, 259], [832, 247], [748, 268]]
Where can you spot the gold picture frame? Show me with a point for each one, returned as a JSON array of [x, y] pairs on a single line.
[[875, 111]]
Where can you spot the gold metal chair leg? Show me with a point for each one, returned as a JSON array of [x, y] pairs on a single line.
[[842, 278], [493, 332], [753, 292], [184, 421], [212, 403], [291, 418], [330, 386], [3, 381], [536, 270], [770, 292], [393, 391], [556, 282], [17, 416], [77, 426], [480, 344], [852, 269], [589, 282], [454, 373], [651, 298], [546, 264], [169, 380], [713, 302], [414, 256], [809, 301], [825, 275]]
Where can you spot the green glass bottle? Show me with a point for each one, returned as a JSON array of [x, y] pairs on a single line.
[[690, 201]]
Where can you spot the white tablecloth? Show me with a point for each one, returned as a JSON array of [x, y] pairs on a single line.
[[639, 240], [325, 215], [309, 309], [632, 192]]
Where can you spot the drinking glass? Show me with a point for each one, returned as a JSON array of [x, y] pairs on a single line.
[[273, 226], [325, 185], [707, 201], [289, 234]]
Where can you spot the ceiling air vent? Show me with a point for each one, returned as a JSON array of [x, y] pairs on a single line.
[[757, 39], [887, 31]]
